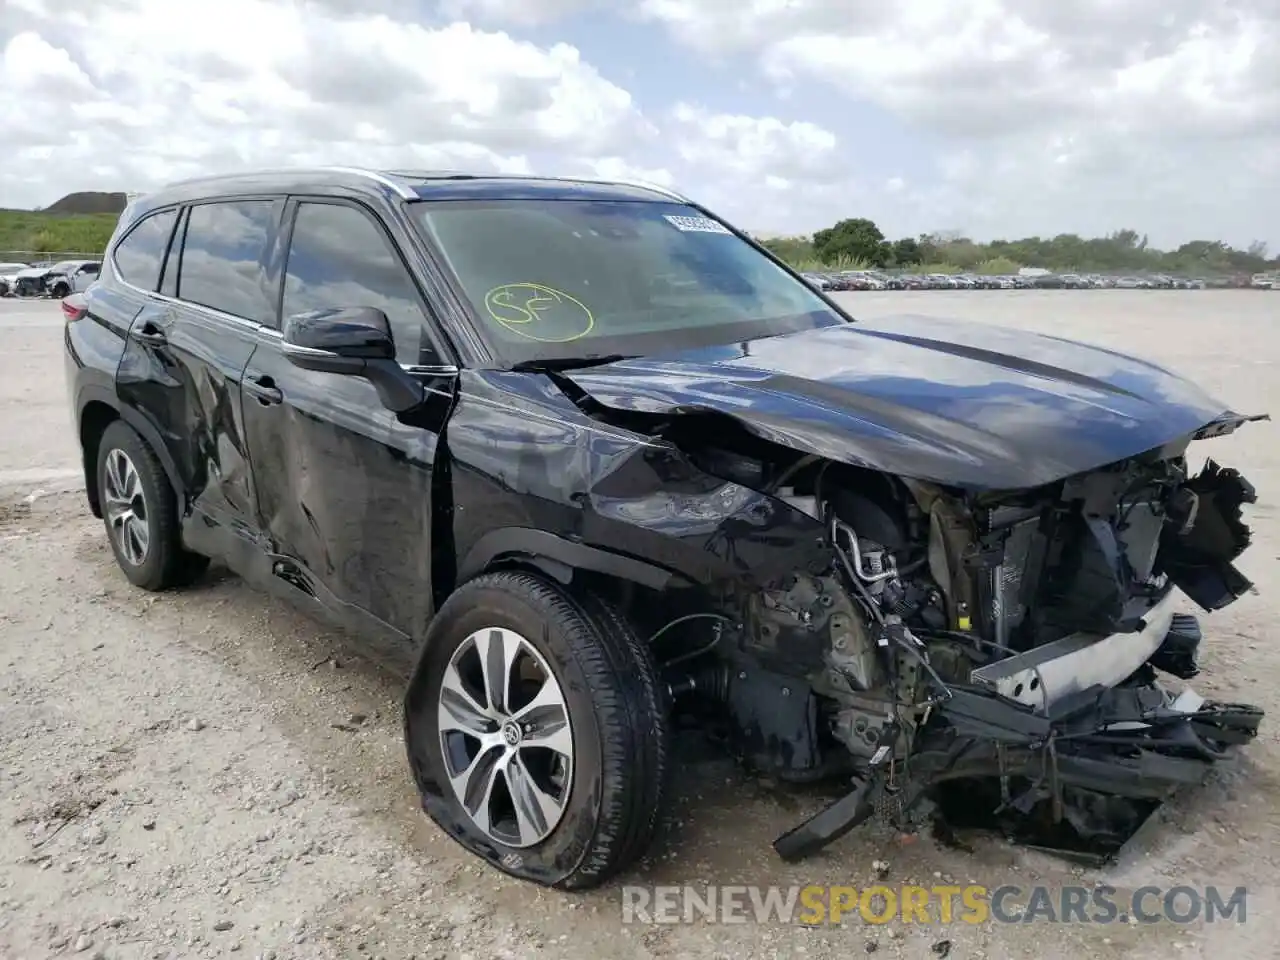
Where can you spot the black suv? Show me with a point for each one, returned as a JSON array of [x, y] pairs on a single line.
[[601, 462]]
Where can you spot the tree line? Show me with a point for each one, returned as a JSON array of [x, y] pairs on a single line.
[[858, 241], [850, 244]]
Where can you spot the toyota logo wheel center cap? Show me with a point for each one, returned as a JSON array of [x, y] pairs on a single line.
[[511, 733]]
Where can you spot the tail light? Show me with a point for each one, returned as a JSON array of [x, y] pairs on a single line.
[[73, 308]]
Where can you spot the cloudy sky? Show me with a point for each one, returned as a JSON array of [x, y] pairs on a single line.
[[993, 117]]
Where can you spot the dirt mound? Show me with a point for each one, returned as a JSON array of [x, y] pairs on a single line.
[[89, 202]]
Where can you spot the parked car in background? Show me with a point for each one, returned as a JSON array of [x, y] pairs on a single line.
[[850, 280], [857, 280], [9, 276], [71, 276], [30, 282]]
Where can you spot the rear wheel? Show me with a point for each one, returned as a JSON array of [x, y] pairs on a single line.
[[535, 731], [140, 512]]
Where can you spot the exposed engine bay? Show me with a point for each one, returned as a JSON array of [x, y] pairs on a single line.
[[1008, 644]]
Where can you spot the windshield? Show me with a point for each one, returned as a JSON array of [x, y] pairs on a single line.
[[577, 279], [62, 266]]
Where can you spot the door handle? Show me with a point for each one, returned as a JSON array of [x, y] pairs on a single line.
[[150, 334], [265, 389]]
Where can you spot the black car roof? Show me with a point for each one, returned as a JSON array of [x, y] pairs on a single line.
[[404, 185]]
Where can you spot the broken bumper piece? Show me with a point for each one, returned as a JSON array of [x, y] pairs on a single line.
[[1052, 674], [1070, 748]]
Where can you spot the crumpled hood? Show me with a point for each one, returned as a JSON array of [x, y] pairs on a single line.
[[959, 403]]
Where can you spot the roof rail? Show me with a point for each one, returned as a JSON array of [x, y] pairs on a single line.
[[426, 174], [406, 193], [401, 190], [448, 174], [642, 184], [658, 188]]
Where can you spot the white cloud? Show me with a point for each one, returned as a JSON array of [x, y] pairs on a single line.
[[767, 174], [1006, 117], [143, 91], [754, 147], [722, 26], [157, 89], [524, 13], [616, 168], [1163, 115], [32, 66]]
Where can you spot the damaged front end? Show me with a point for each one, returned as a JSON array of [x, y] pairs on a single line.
[[1004, 648]]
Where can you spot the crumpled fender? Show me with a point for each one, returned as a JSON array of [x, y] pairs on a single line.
[[524, 458]]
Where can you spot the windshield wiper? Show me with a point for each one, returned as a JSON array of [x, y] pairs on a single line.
[[568, 363]]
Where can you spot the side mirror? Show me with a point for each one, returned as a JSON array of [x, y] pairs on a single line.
[[353, 333], [355, 341]]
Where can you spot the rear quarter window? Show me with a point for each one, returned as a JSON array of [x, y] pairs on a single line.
[[139, 256]]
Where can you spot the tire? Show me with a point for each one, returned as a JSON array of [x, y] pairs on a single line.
[[607, 811], [140, 513], [60, 290]]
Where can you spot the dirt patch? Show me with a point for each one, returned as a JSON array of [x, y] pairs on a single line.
[[13, 513]]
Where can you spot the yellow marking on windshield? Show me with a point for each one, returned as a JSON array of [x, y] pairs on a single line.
[[521, 306]]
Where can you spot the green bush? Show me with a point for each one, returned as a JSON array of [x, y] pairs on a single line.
[[997, 267], [814, 265], [28, 231]]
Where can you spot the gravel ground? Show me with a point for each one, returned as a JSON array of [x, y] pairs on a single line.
[[207, 772]]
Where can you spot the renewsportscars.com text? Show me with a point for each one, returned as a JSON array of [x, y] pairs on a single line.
[[970, 904]]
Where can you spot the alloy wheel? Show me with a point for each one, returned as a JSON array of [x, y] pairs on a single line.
[[125, 506], [506, 737]]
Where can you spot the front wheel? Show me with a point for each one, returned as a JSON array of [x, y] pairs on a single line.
[[535, 731]]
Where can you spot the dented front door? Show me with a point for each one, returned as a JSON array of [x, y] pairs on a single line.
[[345, 487]]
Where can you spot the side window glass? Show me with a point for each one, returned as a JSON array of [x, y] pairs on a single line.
[[139, 255], [224, 255], [339, 258]]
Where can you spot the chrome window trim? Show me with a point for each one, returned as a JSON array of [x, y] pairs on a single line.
[[219, 314], [299, 350]]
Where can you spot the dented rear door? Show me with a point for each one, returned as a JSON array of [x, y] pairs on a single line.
[[187, 353]]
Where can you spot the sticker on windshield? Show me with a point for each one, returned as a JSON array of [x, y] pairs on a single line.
[[697, 225]]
